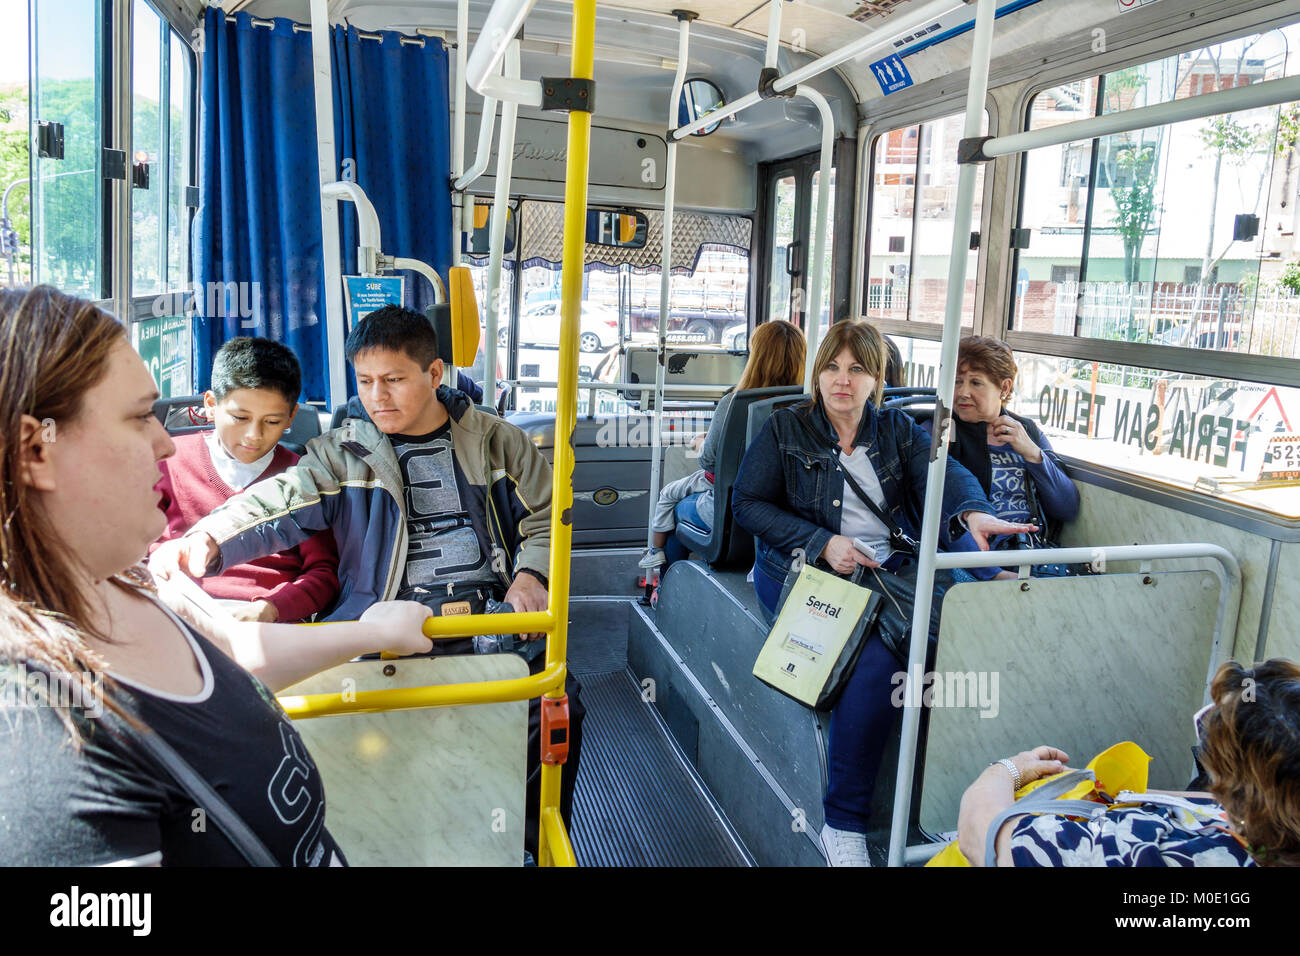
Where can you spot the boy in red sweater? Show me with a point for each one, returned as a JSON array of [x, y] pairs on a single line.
[[254, 395]]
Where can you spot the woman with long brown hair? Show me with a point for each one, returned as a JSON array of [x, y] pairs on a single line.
[[105, 695], [776, 357]]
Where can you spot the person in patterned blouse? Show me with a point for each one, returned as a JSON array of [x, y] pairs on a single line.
[[1249, 748]]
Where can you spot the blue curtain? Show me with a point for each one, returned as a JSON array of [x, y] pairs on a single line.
[[257, 246], [391, 118]]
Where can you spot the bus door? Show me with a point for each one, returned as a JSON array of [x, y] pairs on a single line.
[[789, 191]]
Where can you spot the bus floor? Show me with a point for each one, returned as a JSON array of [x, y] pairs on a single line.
[[638, 801]]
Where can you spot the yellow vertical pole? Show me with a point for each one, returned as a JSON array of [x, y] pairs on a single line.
[[582, 66]]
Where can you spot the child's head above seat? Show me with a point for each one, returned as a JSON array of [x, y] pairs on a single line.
[[394, 352], [254, 394]]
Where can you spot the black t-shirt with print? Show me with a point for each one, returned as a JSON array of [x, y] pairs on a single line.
[[112, 802], [442, 545]]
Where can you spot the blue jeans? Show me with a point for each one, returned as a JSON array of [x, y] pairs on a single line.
[[674, 550], [860, 725]]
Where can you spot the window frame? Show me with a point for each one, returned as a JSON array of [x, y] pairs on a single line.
[[868, 136], [142, 306], [1261, 369]]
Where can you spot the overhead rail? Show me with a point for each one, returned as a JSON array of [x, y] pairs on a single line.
[[1228, 570], [1268, 93], [684, 18], [929, 546], [880, 39]]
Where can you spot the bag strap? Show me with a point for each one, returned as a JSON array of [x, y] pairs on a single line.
[[884, 516], [1043, 799], [229, 822]]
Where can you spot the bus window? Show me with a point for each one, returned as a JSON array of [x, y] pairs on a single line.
[[1177, 235], [68, 214], [830, 245], [913, 205], [783, 208], [148, 118], [621, 293], [1232, 439]]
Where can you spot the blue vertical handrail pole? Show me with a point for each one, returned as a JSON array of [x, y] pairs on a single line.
[[975, 95]]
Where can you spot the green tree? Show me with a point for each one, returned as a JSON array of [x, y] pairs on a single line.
[[1135, 203], [13, 168]]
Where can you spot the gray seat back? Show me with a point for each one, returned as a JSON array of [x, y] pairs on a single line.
[[719, 546], [174, 414]]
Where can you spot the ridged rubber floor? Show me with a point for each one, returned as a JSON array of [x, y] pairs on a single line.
[[636, 804]]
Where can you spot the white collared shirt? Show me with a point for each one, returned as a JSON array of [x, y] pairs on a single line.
[[233, 471]]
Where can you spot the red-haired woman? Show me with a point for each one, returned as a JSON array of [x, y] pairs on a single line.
[[1010, 457], [105, 695]]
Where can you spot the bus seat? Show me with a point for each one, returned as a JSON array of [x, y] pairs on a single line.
[[611, 474], [1079, 662], [441, 786], [917, 401], [719, 546], [174, 413]]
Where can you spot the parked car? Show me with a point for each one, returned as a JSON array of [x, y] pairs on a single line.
[[540, 325]]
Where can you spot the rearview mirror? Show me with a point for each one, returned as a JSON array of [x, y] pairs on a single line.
[[479, 242], [699, 98], [623, 230]]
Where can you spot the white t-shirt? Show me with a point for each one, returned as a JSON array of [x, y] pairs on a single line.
[[856, 519], [233, 471]]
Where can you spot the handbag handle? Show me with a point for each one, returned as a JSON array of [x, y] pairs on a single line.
[[1043, 800]]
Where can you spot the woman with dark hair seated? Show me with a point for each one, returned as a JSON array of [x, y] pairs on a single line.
[[105, 695], [1249, 747], [817, 478], [1010, 457]]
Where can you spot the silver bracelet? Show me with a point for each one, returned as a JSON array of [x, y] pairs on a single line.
[[1013, 769]]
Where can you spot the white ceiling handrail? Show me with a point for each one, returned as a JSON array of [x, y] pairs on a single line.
[[501, 26], [877, 40]]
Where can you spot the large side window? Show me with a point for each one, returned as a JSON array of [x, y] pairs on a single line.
[[69, 87], [909, 235], [161, 114], [1179, 235], [1161, 268]]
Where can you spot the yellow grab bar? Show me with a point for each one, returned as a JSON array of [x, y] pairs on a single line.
[[437, 695], [559, 851]]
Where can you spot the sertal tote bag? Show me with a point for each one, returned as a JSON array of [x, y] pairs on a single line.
[[819, 632]]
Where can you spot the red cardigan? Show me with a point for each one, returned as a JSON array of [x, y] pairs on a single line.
[[299, 582]]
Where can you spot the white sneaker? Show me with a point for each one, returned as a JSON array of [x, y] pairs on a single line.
[[844, 848], [653, 558]]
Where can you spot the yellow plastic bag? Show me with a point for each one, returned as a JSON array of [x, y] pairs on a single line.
[[1121, 767]]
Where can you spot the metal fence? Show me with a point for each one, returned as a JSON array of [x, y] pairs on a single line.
[[1224, 317]]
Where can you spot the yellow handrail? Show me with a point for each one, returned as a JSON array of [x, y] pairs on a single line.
[[307, 706], [554, 848]]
